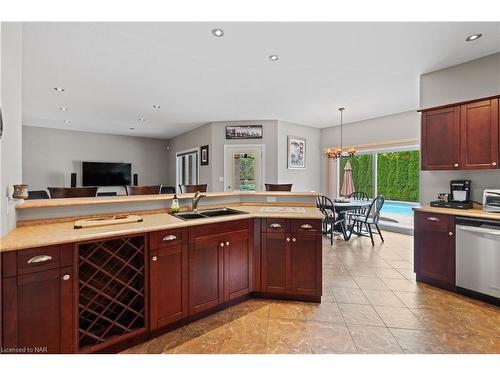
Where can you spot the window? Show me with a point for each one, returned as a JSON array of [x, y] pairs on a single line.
[[187, 168], [362, 172], [398, 175]]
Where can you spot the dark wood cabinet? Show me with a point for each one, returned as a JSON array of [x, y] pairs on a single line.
[[168, 278], [461, 136], [440, 140], [291, 258], [434, 249], [238, 252], [479, 135], [38, 311]]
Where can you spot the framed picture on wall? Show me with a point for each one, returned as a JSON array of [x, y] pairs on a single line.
[[296, 152], [204, 155], [244, 132]]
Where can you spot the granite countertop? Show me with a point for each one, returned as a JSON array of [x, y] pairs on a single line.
[[63, 232], [476, 212]]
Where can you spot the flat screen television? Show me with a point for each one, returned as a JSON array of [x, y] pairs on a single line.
[[106, 174]]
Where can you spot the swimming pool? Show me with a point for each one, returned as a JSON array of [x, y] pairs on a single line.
[[400, 208]]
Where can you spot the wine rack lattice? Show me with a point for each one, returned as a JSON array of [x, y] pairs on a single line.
[[111, 289]]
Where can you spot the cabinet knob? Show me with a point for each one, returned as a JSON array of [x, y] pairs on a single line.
[[455, 165], [288, 239], [222, 244], [227, 243], [494, 164], [66, 277], [294, 239], [155, 258], [450, 234]]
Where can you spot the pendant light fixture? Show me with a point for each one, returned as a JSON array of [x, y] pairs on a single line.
[[336, 152]]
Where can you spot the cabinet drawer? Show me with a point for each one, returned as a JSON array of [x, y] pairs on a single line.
[[274, 225], [306, 226], [166, 238], [434, 222], [214, 229], [38, 259]]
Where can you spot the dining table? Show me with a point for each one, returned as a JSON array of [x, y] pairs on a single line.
[[341, 206]]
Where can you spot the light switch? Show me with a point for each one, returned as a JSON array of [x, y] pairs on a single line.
[[221, 179]]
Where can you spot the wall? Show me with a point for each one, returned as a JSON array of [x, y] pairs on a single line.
[[471, 80], [11, 104], [51, 155], [399, 126], [307, 179]]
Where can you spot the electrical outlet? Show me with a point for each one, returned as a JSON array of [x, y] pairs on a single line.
[[221, 179], [271, 199]]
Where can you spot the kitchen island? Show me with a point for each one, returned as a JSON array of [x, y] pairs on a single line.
[[104, 289]]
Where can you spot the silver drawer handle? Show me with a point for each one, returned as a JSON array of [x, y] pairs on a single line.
[[275, 225], [170, 237], [306, 226], [39, 259], [432, 218]]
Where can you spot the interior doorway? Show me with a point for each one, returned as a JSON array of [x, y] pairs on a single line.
[[187, 172], [243, 167]]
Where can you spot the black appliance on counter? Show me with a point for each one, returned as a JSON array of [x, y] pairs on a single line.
[[459, 196]]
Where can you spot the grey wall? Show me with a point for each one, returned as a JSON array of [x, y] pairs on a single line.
[[471, 80], [307, 179], [11, 104], [51, 155], [405, 125]]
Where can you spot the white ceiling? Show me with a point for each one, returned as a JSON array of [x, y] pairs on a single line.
[[113, 73]]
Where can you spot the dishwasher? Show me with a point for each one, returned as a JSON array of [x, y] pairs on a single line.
[[478, 256]]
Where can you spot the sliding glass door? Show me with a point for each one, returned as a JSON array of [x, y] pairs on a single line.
[[187, 168]]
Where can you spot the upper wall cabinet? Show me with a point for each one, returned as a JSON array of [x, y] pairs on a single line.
[[462, 136]]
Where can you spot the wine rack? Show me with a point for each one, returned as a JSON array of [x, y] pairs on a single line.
[[111, 289]]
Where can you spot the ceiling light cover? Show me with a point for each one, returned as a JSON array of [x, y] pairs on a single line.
[[67, 121], [60, 89], [473, 37], [63, 108], [156, 107], [131, 128], [141, 119], [274, 57], [218, 33]]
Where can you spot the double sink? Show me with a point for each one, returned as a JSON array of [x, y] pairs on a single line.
[[203, 214]]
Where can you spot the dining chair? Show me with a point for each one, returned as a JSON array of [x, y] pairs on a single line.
[[330, 217], [361, 196], [278, 187], [143, 190], [371, 217], [72, 192], [193, 188]]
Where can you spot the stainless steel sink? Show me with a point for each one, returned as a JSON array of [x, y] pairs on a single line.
[[203, 214]]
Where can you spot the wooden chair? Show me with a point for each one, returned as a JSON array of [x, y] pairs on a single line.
[[366, 220], [278, 187], [143, 190], [74, 192], [193, 188], [331, 218]]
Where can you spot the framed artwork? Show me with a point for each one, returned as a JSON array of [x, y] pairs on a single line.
[[296, 152], [244, 132], [204, 155]]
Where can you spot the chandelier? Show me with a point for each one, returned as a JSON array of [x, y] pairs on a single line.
[[336, 152]]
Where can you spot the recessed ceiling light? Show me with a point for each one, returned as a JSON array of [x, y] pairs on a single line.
[[59, 89], [274, 57], [156, 107], [63, 109], [473, 37], [141, 119], [67, 121], [131, 128], [218, 33]]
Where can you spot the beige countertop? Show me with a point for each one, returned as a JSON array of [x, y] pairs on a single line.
[[476, 212], [57, 233]]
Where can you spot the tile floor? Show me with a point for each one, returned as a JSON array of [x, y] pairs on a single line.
[[371, 304]]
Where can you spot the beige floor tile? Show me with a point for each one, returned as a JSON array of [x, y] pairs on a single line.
[[287, 337], [371, 283], [360, 314], [382, 298], [324, 312], [372, 340], [398, 317], [209, 343], [252, 327], [343, 282], [460, 343], [418, 342], [349, 295], [403, 264], [400, 285], [288, 310], [388, 273], [407, 274], [330, 338], [208, 324], [251, 306]]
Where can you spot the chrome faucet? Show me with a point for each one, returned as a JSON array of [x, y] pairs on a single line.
[[196, 200]]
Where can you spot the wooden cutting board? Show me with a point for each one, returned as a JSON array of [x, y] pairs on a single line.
[[107, 220]]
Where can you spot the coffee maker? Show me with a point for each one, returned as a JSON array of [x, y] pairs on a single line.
[[459, 196]]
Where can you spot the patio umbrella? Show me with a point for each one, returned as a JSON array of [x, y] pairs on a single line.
[[348, 183]]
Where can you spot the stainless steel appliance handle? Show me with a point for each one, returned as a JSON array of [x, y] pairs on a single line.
[[39, 259]]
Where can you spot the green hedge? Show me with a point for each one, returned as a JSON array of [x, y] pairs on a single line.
[[397, 177]]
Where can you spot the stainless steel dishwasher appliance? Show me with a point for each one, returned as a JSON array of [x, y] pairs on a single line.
[[478, 256]]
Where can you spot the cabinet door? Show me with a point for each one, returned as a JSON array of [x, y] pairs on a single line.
[[276, 263], [206, 283], [306, 264], [169, 285], [39, 312], [237, 269], [441, 139], [479, 134], [435, 249]]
